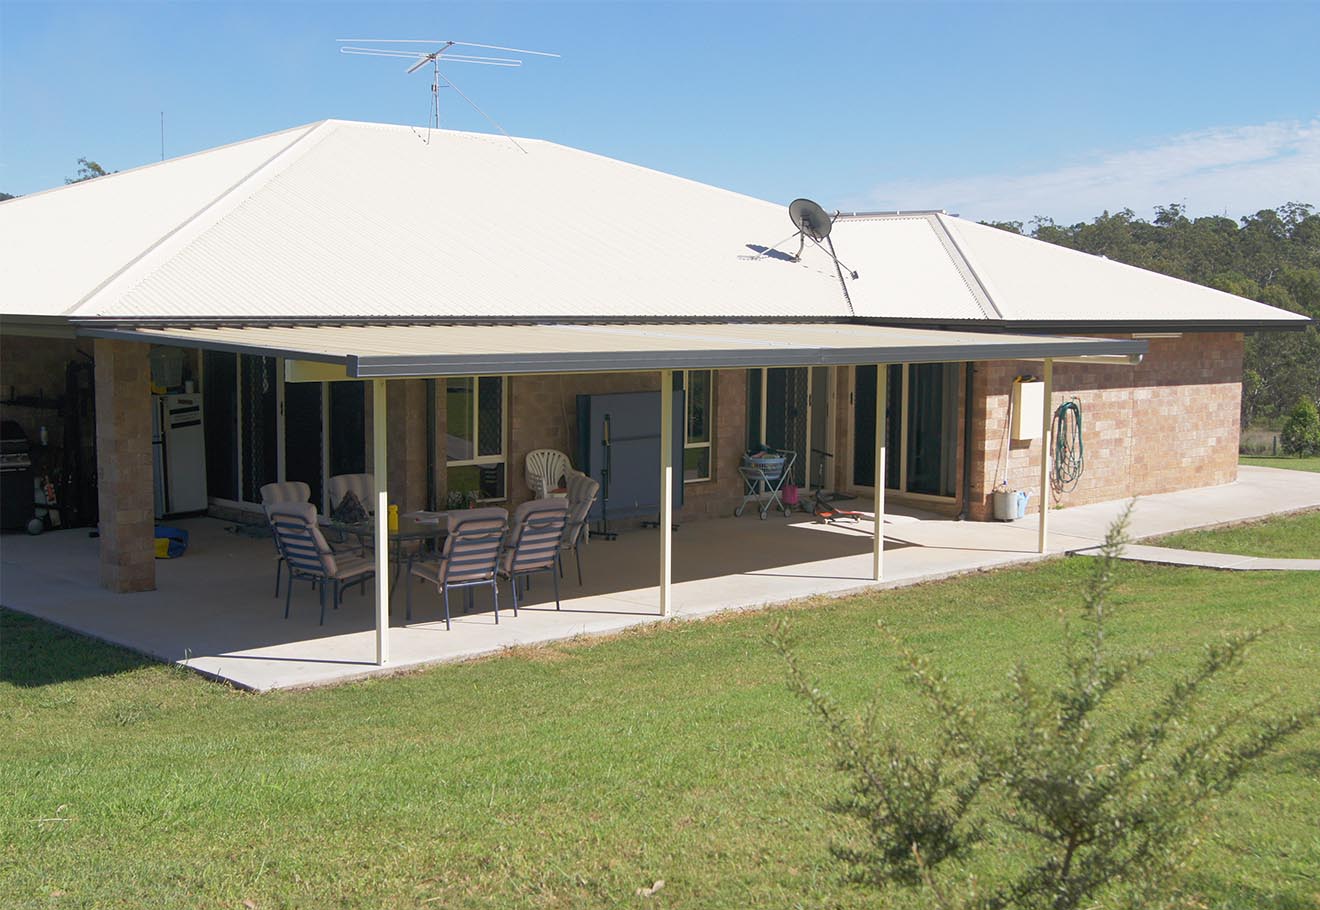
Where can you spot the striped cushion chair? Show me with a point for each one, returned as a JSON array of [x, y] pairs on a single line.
[[288, 491], [310, 557], [470, 556], [582, 492], [535, 535]]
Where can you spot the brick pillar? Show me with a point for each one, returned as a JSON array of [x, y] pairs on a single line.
[[123, 468], [406, 417]]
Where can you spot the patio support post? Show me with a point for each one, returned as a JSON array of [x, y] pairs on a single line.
[[666, 487], [881, 434], [1046, 450], [379, 463]]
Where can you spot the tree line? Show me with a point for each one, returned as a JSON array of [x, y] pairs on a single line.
[[1272, 256]]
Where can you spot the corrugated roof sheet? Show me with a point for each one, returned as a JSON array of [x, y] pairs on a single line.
[[60, 245], [428, 350], [342, 220], [370, 221], [1031, 280]]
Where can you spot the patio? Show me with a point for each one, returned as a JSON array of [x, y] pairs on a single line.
[[214, 611]]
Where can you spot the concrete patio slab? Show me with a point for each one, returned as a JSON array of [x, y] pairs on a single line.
[[1169, 556], [213, 610]]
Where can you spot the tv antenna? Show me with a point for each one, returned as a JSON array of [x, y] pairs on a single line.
[[375, 47], [815, 224]]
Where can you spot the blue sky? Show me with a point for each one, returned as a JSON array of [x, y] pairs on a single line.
[[992, 110]]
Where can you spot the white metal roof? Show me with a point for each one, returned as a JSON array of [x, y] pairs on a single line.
[[341, 220], [428, 350], [57, 246], [369, 220], [1031, 280]]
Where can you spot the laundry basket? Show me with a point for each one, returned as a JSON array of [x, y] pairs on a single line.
[[770, 464]]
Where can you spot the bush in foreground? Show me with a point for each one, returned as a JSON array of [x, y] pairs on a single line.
[[1080, 803]]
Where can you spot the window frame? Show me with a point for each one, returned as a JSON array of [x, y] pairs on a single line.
[[682, 383], [479, 460]]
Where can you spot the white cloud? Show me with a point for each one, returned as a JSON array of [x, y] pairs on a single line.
[[1234, 170]]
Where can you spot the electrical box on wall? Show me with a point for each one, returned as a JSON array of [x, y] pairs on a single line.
[[1028, 409]]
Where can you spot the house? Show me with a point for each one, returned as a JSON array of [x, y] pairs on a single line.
[[429, 305]]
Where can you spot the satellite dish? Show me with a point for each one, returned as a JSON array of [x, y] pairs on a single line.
[[810, 219]]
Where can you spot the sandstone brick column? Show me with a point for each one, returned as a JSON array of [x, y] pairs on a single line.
[[123, 469]]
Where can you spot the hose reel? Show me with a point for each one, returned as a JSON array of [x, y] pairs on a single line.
[[1068, 460]]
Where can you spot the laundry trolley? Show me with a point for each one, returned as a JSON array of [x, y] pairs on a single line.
[[763, 477]]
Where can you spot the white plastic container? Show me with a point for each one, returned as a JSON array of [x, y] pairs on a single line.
[[1010, 505]]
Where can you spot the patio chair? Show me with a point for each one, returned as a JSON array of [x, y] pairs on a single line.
[[545, 470], [582, 492], [271, 493], [310, 557], [363, 486], [470, 557], [535, 534]]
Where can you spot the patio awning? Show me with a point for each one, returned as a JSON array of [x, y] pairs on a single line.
[[400, 351]]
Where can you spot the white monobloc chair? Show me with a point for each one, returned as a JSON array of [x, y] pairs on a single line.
[[546, 471]]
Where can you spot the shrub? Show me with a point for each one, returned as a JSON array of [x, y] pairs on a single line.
[[1301, 432], [1095, 808]]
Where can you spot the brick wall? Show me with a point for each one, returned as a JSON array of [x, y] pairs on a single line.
[[1168, 423], [32, 368], [543, 415]]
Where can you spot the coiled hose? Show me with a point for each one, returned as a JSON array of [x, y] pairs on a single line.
[[1068, 455]]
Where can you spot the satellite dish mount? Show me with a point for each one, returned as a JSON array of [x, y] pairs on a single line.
[[815, 224]]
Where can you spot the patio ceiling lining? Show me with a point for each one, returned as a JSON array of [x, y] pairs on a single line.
[[399, 351]]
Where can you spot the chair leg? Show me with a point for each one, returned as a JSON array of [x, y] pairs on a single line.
[[444, 593], [288, 593], [407, 613], [322, 590], [279, 568], [555, 577], [577, 554], [495, 588], [495, 596], [513, 583]]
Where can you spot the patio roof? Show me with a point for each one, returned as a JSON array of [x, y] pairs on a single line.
[[400, 351]]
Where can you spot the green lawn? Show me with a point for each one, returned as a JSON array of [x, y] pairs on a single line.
[[1282, 461], [1289, 537], [572, 775]]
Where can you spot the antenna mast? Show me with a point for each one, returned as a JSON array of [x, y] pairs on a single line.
[[372, 48]]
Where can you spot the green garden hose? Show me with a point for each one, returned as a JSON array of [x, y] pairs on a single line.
[[1068, 460]]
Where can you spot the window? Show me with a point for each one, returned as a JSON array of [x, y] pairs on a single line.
[[475, 436], [697, 422]]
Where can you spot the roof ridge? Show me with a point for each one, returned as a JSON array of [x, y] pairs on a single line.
[[194, 224], [162, 163], [963, 263]]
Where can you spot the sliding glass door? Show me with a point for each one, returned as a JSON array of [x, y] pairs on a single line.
[[788, 408], [260, 429], [921, 437]]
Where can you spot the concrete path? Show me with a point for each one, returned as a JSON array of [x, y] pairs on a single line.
[[213, 610], [1168, 556]]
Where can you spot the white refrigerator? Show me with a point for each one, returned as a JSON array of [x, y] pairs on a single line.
[[178, 446]]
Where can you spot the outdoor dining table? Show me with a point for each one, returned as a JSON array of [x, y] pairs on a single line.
[[421, 528]]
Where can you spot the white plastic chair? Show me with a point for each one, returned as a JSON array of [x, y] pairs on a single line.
[[546, 471]]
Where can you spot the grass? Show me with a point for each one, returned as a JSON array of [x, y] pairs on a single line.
[[573, 775], [1286, 537], [1289, 462]]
